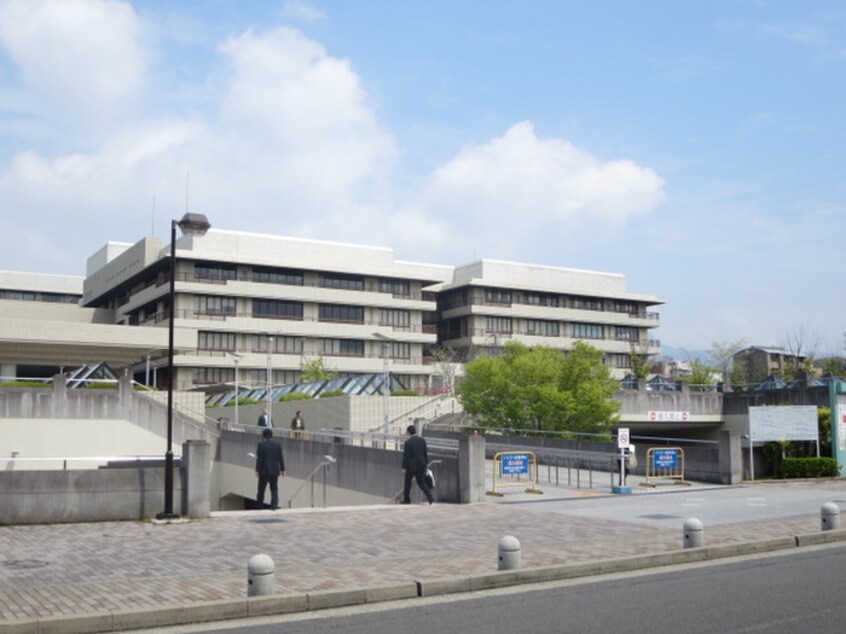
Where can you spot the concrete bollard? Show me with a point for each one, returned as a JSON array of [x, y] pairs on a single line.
[[509, 553], [829, 516], [693, 533], [260, 576]]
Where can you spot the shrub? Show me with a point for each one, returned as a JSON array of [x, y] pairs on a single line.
[[809, 468], [331, 393], [242, 401], [25, 384], [101, 385], [405, 393], [296, 396]]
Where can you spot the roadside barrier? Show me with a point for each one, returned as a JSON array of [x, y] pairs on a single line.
[[515, 469], [664, 463]]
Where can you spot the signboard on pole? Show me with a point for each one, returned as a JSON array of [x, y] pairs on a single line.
[[623, 437], [665, 458], [783, 422], [515, 463]]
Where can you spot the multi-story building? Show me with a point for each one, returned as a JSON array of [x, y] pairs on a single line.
[[489, 302], [258, 304], [756, 363]]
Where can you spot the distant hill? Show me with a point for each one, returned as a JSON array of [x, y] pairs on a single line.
[[683, 354]]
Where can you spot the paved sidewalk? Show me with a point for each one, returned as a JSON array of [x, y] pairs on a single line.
[[76, 569]]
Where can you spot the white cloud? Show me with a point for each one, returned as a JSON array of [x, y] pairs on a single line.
[[299, 10], [289, 144], [80, 57], [533, 186]]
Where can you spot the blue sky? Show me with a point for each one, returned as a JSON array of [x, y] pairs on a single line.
[[696, 147]]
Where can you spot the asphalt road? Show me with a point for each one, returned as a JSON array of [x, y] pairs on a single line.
[[796, 592]]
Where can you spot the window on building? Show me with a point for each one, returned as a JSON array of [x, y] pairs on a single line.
[[453, 299], [541, 299], [268, 275], [498, 325], [455, 328], [587, 303], [397, 288], [281, 344], [618, 360], [394, 317], [399, 350], [542, 327], [216, 340], [340, 313], [630, 308], [498, 296], [588, 331], [213, 375], [345, 282], [277, 309], [342, 347], [215, 271], [625, 333], [215, 305]]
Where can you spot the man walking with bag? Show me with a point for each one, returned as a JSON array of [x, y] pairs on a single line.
[[415, 462]]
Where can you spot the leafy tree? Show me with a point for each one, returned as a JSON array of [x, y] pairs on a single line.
[[540, 388], [700, 374], [315, 371], [639, 355], [721, 354]]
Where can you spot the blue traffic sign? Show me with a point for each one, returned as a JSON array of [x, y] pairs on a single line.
[[665, 458], [515, 463]]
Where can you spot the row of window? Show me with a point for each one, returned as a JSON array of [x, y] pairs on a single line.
[[226, 342], [281, 309], [37, 296], [220, 271], [545, 328], [506, 297]]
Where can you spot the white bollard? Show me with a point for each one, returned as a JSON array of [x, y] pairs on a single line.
[[693, 533], [830, 516], [260, 576], [509, 553]]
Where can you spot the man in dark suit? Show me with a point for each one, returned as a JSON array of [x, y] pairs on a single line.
[[415, 461], [269, 464]]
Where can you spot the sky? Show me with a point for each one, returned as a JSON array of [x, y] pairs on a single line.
[[698, 147]]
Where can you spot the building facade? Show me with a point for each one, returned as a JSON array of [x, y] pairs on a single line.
[[251, 307]]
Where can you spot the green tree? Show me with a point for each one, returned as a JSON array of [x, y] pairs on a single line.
[[315, 371], [700, 374], [540, 388]]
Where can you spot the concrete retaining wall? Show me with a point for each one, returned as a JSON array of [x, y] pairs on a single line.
[[121, 493]]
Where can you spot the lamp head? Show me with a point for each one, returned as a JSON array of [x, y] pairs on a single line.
[[194, 224]]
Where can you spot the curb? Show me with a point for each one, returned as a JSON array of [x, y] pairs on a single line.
[[229, 609]]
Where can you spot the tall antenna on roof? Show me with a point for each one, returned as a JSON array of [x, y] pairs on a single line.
[[187, 184], [153, 220]]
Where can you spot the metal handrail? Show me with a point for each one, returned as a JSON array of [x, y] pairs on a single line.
[[327, 462]]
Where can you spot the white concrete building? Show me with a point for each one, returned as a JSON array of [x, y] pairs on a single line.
[[272, 302]]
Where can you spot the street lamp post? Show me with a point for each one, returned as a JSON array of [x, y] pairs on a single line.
[[237, 358], [269, 380], [191, 225], [386, 380]]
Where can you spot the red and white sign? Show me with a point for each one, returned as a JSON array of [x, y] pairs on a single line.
[[658, 416], [623, 437]]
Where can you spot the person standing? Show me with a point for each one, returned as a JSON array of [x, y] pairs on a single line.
[[297, 425], [415, 461], [269, 464], [264, 420]]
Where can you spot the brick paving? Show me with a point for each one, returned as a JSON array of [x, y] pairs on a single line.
[[77, 569]]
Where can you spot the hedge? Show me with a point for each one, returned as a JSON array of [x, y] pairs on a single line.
[[809, 468]]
